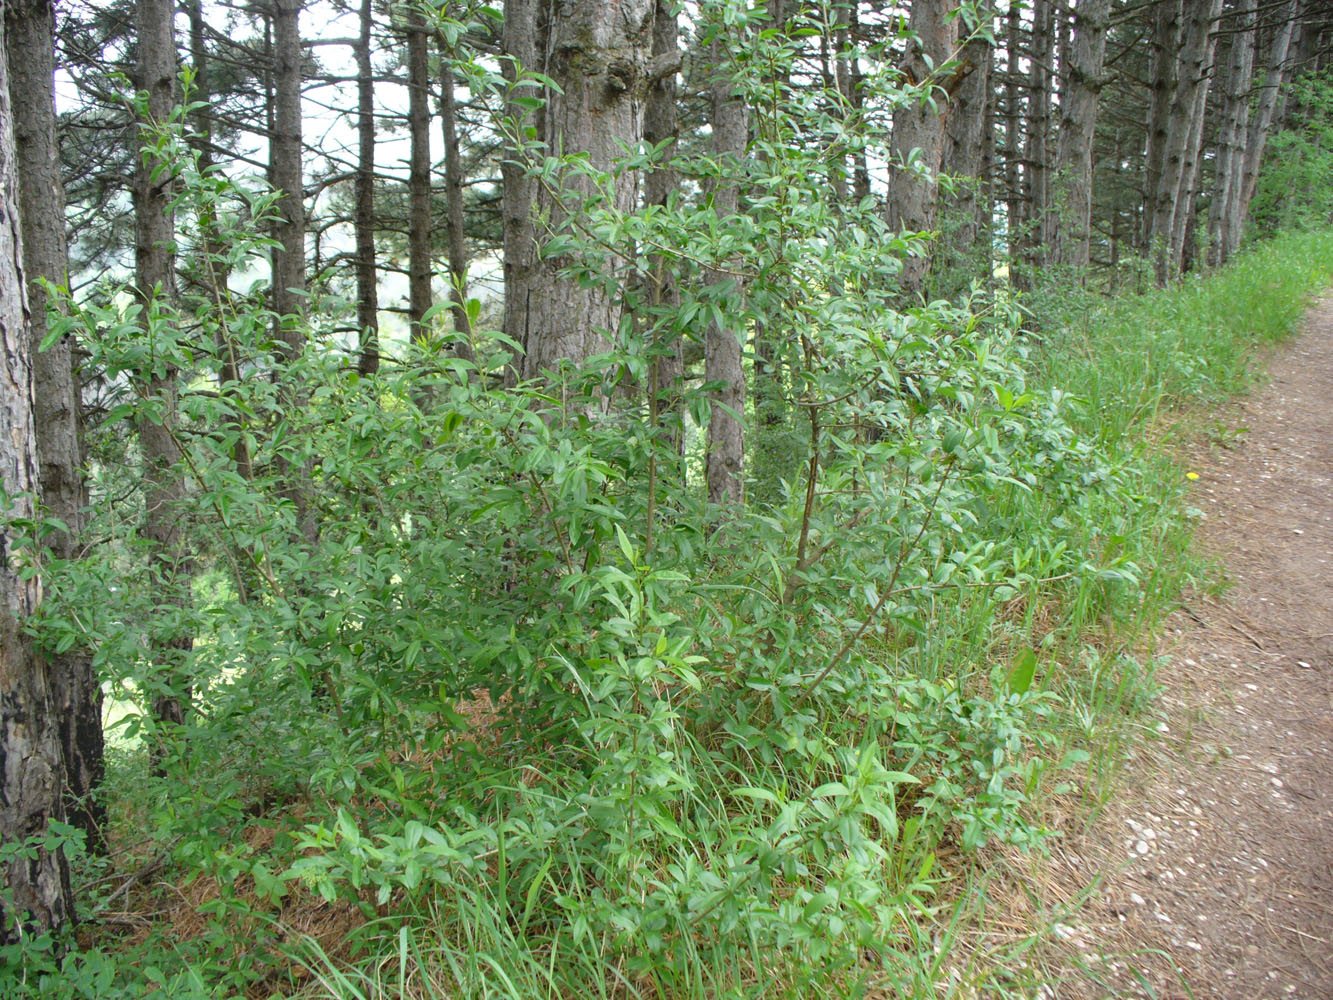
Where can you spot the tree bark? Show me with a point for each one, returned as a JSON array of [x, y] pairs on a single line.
[[1229, 169], [1078, 122], [1037, 153], [289, 283], [287, 176], [1164, 70], [966, 143], [1202, 19], [725, 465], [596, 51], [36, 893], [1277, 71], [1014, 143], [57, 404], [919, 126], [212, 270], [367, 280], [524, 27], [659, 184], [1174, 202], [155, 276], [839, 45], [455, 225], [419, 297], [771, 406], [860, 165]]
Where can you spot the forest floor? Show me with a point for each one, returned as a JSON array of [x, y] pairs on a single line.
[[1213, 865]]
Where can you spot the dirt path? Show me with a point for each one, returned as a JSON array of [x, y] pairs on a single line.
[[1219, 874]]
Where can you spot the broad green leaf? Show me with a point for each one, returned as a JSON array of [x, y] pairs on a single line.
[[1021, 674]]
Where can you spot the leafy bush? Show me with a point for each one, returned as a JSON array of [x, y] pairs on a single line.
[[1293, 191], [527, 706]]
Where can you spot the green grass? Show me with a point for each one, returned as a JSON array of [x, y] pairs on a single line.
[[1151, 370], [1137, 356]]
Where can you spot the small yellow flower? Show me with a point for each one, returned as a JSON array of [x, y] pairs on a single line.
[[1191, 476]]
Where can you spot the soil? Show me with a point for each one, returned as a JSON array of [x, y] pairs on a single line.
[[1214, 865]]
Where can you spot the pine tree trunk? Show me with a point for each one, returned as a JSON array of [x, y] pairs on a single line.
[[659, 184], [1037, 158], [524, 26], [1229, 169], [966, 144], [455, 227], [1183, 220], [57, 405], [729, 118], [1163, 71], [212, 270], [1078, 122], [1014, 142], [419, 297], [860, 166], [1277, 71], [289, 283], [1184, 133], [36, 891], [155, 276], [287, 176], [842, 82], [919, 126], [771, 405], [367, 278], [597, 52]]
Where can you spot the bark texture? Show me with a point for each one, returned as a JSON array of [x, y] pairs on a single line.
[[860, 165], [1201, 24], [1173, 201], [722, 344], [77, 696], [519, 41], [966, 142], [286, 175], [1224, 221], [918, 131], [289, 284], [1014, 139], [367, 285], [1277, 70], [1037, 153], [455, 225], [1078, 122], [660, 184], [36, 889], [211, 271], [1164, 69], [419, 297], [597, 52], [155, 277]]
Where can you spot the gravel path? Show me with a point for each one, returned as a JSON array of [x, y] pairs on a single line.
[[1218, 874]]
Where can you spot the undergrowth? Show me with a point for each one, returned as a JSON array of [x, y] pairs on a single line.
[[682, 786], [1151, 370], [527, 717]]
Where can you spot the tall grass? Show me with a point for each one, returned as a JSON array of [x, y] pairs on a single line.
[[1136, 356], [1150, 371]]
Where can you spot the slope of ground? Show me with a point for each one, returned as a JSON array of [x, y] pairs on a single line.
[[1216, 863]]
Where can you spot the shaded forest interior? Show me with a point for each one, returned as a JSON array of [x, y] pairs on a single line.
[[601, 498]]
